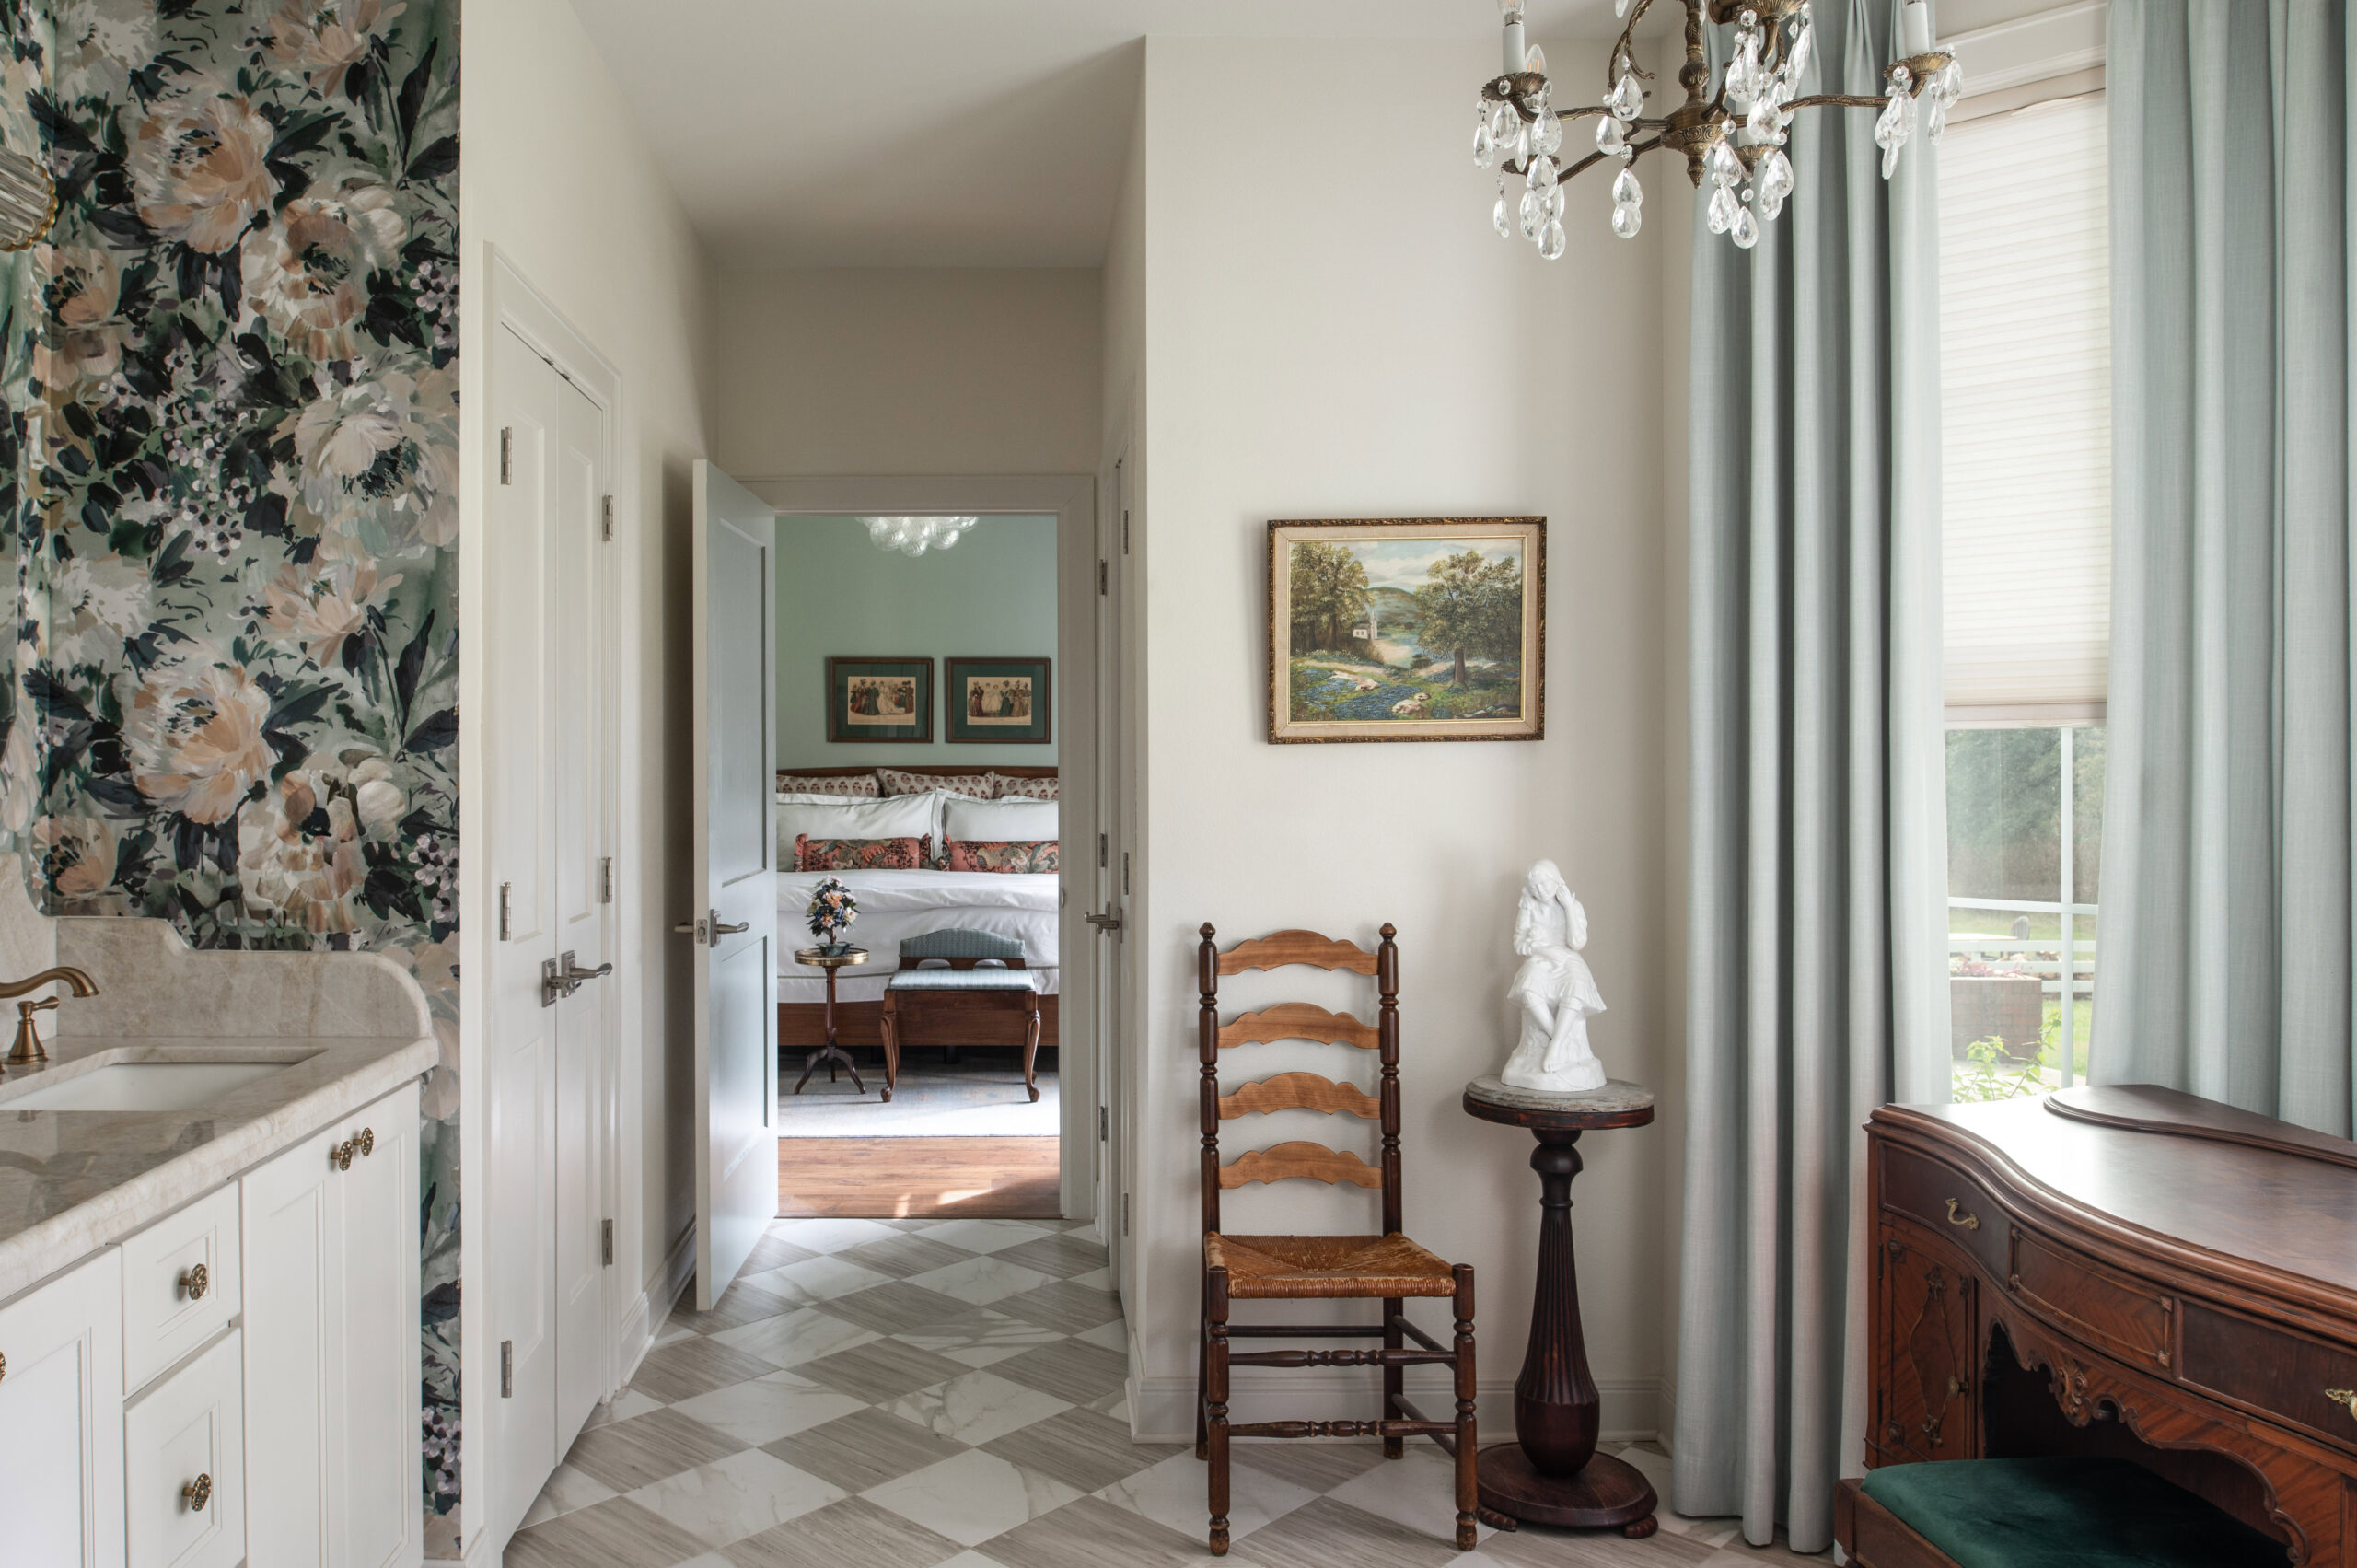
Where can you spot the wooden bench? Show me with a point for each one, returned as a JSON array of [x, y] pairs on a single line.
[[2076, 1511], [958, 974]]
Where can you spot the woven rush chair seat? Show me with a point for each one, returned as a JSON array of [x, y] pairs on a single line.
[[1327, 1268]]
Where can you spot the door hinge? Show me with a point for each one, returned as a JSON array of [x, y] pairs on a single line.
[[608, 520], [605, 880], [1101, 851], [506, 891], [1104, 570], [606, 1242], [1125, 874], [1104, 1124], [1125, 530], [1125, 1213], [506, 454], [508, 1351]]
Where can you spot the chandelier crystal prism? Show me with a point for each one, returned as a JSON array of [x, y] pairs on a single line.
[[1732, 135], [914, 536]]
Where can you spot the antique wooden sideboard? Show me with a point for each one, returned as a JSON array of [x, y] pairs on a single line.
[[2128, 1271]]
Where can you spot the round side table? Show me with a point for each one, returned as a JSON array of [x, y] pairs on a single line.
[[1554, 1476], [831, 1053]]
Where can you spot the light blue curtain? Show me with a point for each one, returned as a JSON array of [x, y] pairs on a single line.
[[2227, 924], [1818, 985]]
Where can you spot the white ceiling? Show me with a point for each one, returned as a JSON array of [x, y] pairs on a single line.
[[1004, 142]]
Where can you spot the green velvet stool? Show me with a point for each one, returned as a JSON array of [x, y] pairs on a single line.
[[2053, 1512]]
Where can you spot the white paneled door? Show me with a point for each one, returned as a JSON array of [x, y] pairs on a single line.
[[548, 773], [735, 931]]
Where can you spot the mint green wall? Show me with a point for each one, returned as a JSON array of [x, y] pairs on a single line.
[[993, 596]]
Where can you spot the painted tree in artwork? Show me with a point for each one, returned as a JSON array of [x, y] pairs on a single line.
[[1472, 605], [1330, 593]]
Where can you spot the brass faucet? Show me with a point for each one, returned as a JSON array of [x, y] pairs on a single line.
[[29, 1048]]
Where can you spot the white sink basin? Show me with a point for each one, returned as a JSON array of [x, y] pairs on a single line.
[[143, 1085]]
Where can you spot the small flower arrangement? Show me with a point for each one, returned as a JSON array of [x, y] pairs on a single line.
[[832, 912]]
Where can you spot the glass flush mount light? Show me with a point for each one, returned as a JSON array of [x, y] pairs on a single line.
[[27, 200], [914, 536], [1731, 130]]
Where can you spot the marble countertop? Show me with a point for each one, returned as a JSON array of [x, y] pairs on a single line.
[[75, 1181]]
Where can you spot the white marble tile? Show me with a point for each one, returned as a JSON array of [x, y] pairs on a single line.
[[670, 1333], [982, 1355], [1418, 1490], [1095, 1279], [567, 1488], [741, 1495], [622, 1407], [990, 1331], [819, 1279], [1113, 1336], [972, 1497], [971, 1560], [831, 1235], [1115, 1404], [792, 1338], [769, 1408], [976, 1408], [981, 1280], [983, 1235], [1172, 1493]]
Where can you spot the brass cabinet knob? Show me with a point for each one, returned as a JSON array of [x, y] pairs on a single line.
[[196, 1282], [198, 1493], [340, 1155], [368, 1140], [1957, 1216]]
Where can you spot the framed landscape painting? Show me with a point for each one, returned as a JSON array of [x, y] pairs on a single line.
[[1001, 701], [879, 699], [1408, 629]]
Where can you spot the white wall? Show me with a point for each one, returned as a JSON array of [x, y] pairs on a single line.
[[1335, 332], [906, 371], [560, 181]]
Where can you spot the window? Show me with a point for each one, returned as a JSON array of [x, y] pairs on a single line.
[[2026, 514]]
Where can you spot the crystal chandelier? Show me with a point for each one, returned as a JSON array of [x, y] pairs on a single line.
[[914, 536], [1733, 135]]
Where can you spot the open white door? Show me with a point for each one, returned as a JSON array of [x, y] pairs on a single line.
[[734, 629]]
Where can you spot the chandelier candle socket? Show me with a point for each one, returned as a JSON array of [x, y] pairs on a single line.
[[914, 536], [1732, 135]]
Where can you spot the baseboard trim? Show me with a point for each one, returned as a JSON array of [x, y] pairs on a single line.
[[654, 1305], [1162, 1409]]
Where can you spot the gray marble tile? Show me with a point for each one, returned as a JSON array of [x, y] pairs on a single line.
[[883, 1370], [795, 1337], [852, 1531], [1089, 1533], [1320, 1467], [744, 1302], [1417, 1490], [1063, 1254], [972, 1497], [617, 1533], [1062, 1305], [1079, 1448], [1069, 1369], [690, 1367], [767, 1409], [630, 1454], [774, 1251], [566, 1489], [741, 1495], [1537, 1546], [1175, 1494], [901, 1255], [864, 1449], [976, 1408], [1327, 1534], [900, 1304]]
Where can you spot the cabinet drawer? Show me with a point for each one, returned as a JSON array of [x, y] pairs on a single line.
[[1950, 1202], [180, 1285], [2124, 1316], [184, 1465], [2288, 1375]]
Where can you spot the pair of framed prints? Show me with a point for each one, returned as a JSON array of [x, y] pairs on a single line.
[[996, 701]]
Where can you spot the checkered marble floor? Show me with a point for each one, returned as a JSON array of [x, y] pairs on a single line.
[[913, 1393]]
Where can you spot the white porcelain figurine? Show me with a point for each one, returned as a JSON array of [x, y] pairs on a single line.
[[1553, 992]]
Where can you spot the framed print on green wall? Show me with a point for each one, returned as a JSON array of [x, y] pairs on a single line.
[[999, 702], [879, 699]]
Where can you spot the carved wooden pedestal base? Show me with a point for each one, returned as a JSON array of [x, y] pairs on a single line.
[[1606, 1493]]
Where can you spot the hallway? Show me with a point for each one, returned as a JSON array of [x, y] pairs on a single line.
[[913, 1393]]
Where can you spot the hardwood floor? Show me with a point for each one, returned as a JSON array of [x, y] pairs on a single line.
[[1009, 1179]]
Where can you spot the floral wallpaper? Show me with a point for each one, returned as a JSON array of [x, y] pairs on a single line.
[[234, 420]]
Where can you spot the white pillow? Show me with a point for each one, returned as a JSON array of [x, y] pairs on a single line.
[[991, 820], [831, 817]]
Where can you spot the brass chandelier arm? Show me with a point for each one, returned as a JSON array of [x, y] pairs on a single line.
[[1636, 151], [1836, 100], [1624, 50]]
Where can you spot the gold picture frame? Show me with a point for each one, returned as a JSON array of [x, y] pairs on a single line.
[[1407, 629]]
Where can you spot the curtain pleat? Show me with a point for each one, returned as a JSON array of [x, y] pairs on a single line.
[[2227, 923], [1816, 941]]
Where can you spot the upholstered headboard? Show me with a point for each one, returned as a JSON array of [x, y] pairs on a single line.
[[942, 770]]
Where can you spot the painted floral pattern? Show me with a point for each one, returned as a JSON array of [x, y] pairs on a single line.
[[1012, 856], [232, 428], [896, 780], [862, 854]]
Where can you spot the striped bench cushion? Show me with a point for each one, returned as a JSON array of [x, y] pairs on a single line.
[[962, 980]]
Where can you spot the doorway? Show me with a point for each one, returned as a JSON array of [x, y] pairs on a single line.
[[956, 686]]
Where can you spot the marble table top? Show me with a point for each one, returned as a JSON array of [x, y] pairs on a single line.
[[75, 1181], [1617, 1094]]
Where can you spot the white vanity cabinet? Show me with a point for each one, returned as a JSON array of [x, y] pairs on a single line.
[[61, 1419], [331, 1347]]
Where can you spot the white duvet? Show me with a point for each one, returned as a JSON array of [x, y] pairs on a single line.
[[894, 905]]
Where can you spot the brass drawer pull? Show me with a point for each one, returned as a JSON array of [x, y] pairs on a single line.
[[2344, 1397], [341, 1154], [196, 1282], [198, 1493], [1962, 1217], [368, 1140]]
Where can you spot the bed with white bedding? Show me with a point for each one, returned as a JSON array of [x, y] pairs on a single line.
[[896, 905]]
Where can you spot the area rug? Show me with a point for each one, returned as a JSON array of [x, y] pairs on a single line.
[[971, 1099]]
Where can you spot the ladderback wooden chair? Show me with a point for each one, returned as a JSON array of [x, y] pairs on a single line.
[[1387, 1268]]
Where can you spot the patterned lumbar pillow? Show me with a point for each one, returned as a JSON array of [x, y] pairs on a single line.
[[861, 855], [856, 786], [897, 782], [1005, 788], [1002, 855]]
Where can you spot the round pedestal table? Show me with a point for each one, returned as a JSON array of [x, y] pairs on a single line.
[[831, 1053], [1553, 1474]]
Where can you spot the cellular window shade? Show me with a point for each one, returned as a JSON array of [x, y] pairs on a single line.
[[2026, 414]]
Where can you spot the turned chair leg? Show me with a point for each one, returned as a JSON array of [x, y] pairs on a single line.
[[1215, 1409], [1202, 1364], [1394, 1376], [891, 1025], [1031, 1051], [1468, 1484]]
